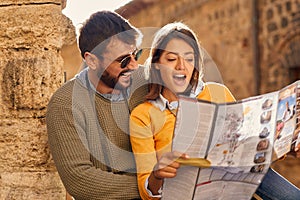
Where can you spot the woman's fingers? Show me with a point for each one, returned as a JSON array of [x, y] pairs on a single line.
[[169, 159], [167, 165], [177, 154], [166, 172]]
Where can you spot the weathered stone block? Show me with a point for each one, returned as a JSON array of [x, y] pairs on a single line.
[[33, 185], [26, 2], [23, 145], [39, 28], [31, 69], [30, 78]]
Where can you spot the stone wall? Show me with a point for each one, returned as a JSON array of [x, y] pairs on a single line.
[[279, 42], [31, 69], [255, 43], [224, 29]]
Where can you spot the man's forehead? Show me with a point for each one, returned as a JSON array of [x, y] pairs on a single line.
[[116, 48]]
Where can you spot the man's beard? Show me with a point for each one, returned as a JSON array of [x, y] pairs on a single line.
[[111, 81]]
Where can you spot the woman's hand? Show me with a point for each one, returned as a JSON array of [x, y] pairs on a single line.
[[166, 167]]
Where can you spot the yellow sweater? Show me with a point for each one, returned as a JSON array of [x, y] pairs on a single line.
[[151, 131]]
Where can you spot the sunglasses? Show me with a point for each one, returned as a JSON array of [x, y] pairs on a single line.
[[125, 60]]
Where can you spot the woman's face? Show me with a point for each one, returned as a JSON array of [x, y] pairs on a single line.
[[176, 65]]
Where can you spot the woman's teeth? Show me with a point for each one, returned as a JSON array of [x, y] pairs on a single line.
[[179, 76]]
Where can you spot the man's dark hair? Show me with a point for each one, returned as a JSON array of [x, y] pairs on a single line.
[[99, 29]]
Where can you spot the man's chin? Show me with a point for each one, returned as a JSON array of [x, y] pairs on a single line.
[[121, 86], [123, 83]]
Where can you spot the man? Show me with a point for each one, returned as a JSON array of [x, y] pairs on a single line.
[[87, 118]]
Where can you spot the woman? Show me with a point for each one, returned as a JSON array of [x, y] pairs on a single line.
[[175, 65]]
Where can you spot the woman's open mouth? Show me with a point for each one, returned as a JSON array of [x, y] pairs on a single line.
[[179, 79]]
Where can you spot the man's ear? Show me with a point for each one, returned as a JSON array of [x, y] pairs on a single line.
[[91, 60]]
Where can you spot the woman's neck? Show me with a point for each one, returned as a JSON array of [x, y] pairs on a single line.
[[169, 95]]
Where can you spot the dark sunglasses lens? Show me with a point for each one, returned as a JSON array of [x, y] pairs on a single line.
[[125, 62], [138, 54]]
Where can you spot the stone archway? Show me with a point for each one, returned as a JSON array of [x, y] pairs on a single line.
[[290, 58], [283, 65]]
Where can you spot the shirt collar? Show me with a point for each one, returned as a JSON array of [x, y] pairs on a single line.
[[82, 76], [199, 88], [162, 103]]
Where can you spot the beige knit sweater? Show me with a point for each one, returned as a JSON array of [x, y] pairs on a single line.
[[89, 141]]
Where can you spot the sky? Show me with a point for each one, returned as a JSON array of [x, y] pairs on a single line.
[[79, 10]]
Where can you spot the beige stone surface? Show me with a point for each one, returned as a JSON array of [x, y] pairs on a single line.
[[31, 68], [32, 26], [73, 62], [224, 29], [31, 185], [29, 78], [26, 2], [23, 145]]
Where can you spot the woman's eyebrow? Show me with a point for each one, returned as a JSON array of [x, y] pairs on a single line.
[[186, 53]]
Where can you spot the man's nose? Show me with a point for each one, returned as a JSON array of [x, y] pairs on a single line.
[[133, 64]]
